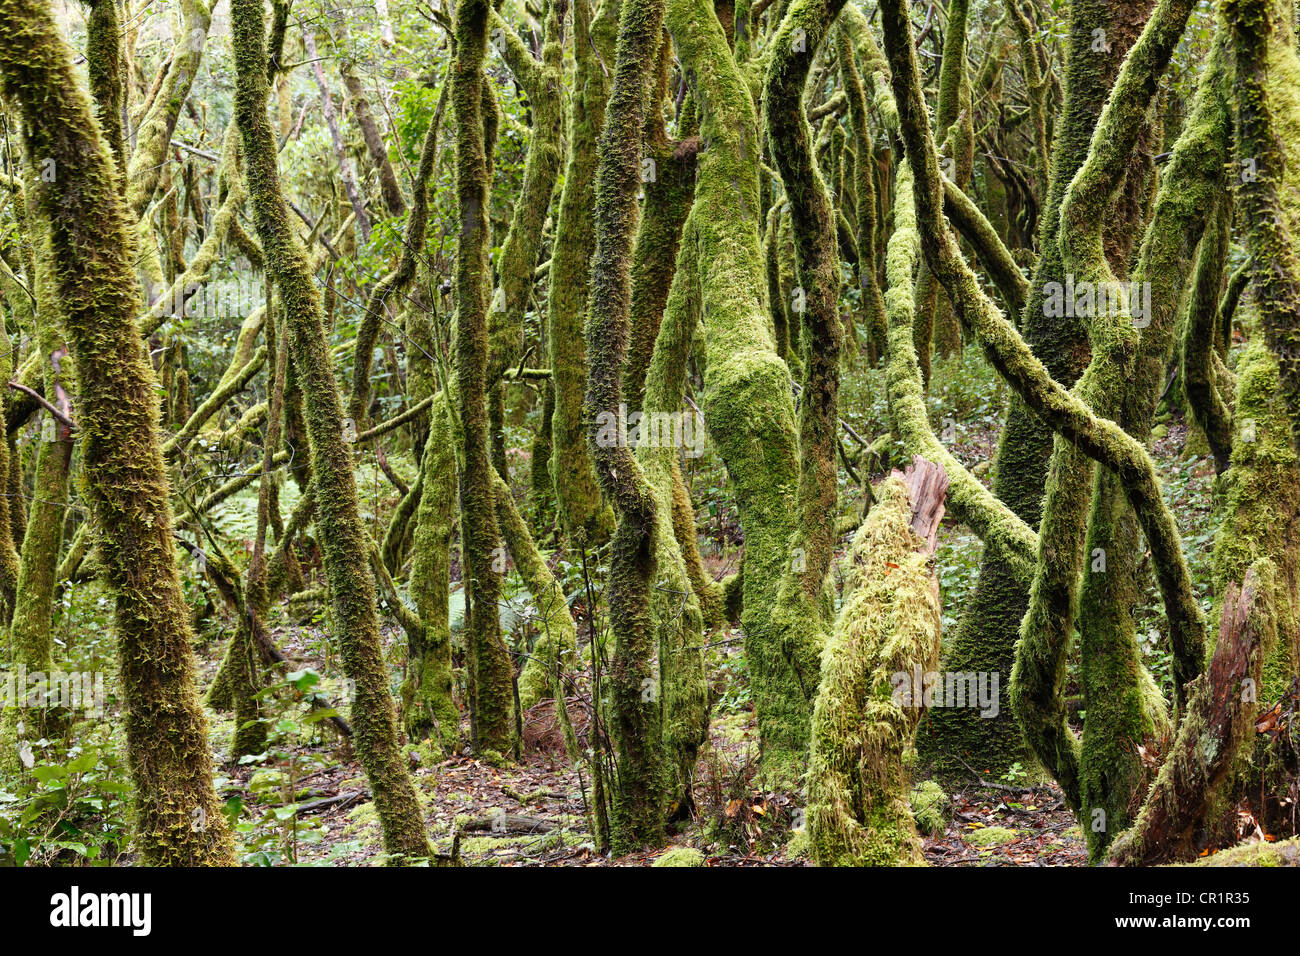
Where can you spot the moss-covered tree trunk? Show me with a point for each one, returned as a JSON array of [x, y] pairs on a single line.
[[858, 813], [639, 804], [178, 818], [935, 329], [1122, 704], [153, 137], [747, 398], [9, 462], [584, 516], [428, 708], [985, 640], [342, 537], [492, 677]]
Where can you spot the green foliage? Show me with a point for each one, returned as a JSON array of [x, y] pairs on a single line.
[[69, 808]]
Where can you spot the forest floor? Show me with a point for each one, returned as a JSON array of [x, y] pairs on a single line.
[[533, 814]]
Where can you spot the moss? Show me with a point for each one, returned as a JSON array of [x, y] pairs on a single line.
[[1218, 718], [1203, 341], [1121, 710], [1265, 113], [747, 402], [582, 512], [1284, 853], [952, 736], [635, 710], [492, 719], [90, 250], [813, 225], [680, 856], [557, 645], [864, 187], [10, 463], [1023, 18], [1258, 508], [33, 610], [1004, 534], [990, 628], [956, 136], [681, 596], [931, 807], [858, 813], [668, 197], [428, 708], [991, 836], [341, 534], [104, 70], [799, 846], [543, 82], [153, 137], [1045, 630]]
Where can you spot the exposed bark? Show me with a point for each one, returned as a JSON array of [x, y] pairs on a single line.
[[1220, 716]]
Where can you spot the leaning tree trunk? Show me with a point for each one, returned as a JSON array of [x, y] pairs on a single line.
[[985, 640], [343, 539]]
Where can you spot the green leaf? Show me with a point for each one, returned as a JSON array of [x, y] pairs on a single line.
[[304, 679]]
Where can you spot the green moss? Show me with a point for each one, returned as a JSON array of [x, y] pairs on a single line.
[[1259, 508], [428, 708], [93, 278], [931, 808], [747, 402], [990, 836], [681, 589], [640, 784], [543, 81], [583, 514], [492, 718], [1285, 853], [557, 645], [990, 628], [104, 70], [153, 137], [341, 534], [680, 856], [858, 813], [1270, 219], [1045, 631]]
